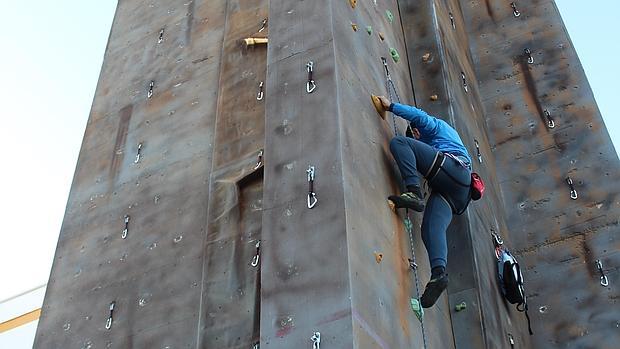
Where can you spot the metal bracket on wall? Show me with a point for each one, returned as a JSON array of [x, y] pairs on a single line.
[[259, 95], [452, 20], [310, 85], [256, 258], [138, 153], [316, 340], [161, 36], [478, 151], [550, 122], [573, 191], [149, 94], [604, 279], [126, 230], [108, 323], [312, 200], [528, 53], [515, 12], [464, 82]]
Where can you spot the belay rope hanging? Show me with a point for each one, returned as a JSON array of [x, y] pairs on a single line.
[[391, 90]]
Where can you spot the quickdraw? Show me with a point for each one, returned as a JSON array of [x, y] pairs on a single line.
[[312, 200], [256, 257], [149, 94], [263, 25], [528, 54], [161, 36], [108, 323], [452, 20], [310, 85], [259, 163], [478, 151], [465, 87], [604, 279], [515, 12], [573, 191], [126, 230], [316, 340], [550, 122], [138, 153], [259, 95]]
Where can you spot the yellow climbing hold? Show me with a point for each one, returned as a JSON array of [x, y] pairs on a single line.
[[353, 3], [354, 26], [381, 36], [378, 257]]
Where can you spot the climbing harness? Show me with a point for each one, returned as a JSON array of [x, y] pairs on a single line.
[[528, 53], [310, 85], [256, 257], [550, 122], [108, 323], [573, 191], [515, 12], [316, 340], [126, 230], [604, 279], [415, 303], [312, 200], [259, 95]]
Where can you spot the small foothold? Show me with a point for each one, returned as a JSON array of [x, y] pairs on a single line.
[[461, 306], [353, 3], [381, 36], [354, 26], [426, 57], [394, 54], [417, 309], [369, 30], [378, 257], [389, 15], [434, 97]]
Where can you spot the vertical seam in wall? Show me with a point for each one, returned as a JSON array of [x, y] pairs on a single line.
[[207, 220], [400, 18], [342, 164]]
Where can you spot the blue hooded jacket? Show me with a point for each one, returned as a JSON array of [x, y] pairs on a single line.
[[434, 132]]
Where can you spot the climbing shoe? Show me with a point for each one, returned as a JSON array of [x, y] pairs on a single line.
[[408, 200], [433, 290]]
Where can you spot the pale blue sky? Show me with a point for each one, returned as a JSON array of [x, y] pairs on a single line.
[[51, 57]]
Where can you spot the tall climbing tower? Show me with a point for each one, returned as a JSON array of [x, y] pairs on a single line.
[[231, 187]]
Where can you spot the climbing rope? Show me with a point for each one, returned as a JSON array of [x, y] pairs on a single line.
[[391, 90]]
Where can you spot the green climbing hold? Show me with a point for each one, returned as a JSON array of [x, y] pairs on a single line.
[[369, 30], [408, 225], [461, 306], [389, 15], [417, 309], [394, 54]]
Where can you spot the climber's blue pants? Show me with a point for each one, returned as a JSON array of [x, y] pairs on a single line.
[[447, 196]]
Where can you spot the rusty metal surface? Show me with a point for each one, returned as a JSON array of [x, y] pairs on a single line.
[[558, 239]]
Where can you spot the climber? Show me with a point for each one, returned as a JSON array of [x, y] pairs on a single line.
[[437, 153]]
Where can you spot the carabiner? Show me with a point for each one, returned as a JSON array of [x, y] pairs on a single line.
[[259, 95], [256, 257], [550, 122], [515, 12]]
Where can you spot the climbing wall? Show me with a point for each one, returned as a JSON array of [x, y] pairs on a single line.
[[230, 194], [556, 167], [164, 212]]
